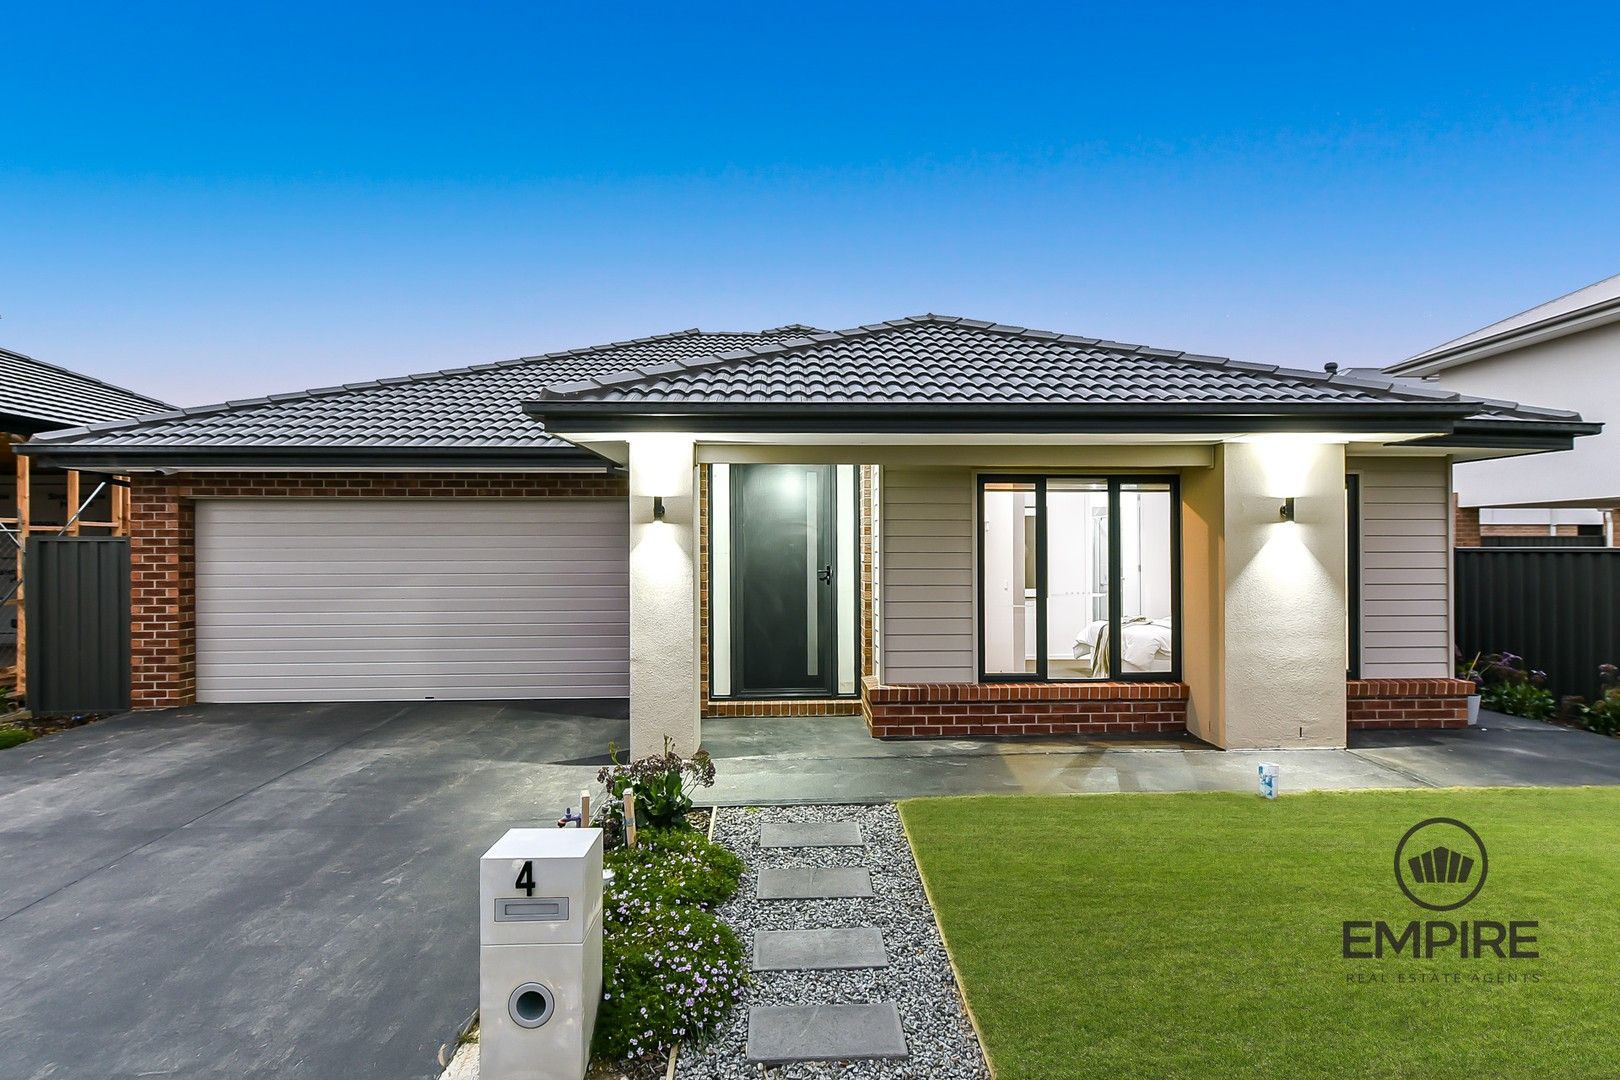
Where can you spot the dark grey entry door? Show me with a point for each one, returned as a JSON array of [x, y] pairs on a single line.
[[783, 631]]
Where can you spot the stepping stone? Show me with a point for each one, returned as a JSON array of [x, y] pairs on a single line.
[[813, 883], [819, 950], [811, 834], [781, 1034]]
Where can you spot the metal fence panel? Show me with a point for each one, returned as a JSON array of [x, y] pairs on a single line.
[[1558, 607], [77, 606]]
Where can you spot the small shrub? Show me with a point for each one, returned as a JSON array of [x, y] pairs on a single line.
[[1512, 687], [663, 785], [669, 868], [672, 975], [1603, 715], [14, 736]]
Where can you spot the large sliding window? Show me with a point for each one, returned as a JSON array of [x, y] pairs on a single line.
[[1079, 578]]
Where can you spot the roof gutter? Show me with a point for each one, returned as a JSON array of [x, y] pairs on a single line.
[[315, 458], [1190, 418]]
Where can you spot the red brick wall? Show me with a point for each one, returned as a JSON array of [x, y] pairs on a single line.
[[921, 710], [163, 547], [1466, 524], [1383, 704]]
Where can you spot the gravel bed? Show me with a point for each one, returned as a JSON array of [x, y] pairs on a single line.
[[918, 979]]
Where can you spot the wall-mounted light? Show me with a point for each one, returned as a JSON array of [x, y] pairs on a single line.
[[658, 507], [1285, 512]]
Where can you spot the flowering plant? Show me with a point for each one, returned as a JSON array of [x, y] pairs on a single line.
[[663, 784], [1513, 687], [673, 974]]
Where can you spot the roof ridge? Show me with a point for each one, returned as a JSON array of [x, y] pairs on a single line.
[[628, 376], [316, 393], [1399, 389], [14, 354]]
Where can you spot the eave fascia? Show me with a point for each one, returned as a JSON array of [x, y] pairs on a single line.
[[313, 458]]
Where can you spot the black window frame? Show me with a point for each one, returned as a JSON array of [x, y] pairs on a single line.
[[1352, 565], [1115, 482]]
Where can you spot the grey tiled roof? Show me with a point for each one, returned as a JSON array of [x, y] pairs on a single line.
[[53, 396], [463, 408], [939, 360]]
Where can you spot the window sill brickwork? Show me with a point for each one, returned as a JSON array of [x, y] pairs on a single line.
[[932, 710], [1397, 704]]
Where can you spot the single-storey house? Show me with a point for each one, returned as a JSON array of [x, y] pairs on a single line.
[[951, 526]]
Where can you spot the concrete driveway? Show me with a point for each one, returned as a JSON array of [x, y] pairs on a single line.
[[285, 890], [291, 890]]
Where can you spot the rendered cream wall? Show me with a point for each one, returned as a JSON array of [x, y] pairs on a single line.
[[1283, 602], [663, 596]]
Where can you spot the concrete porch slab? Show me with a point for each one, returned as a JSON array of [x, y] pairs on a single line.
[[832, 759]]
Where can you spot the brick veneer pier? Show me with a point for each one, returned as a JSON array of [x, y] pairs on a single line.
[[926, 710], [1384, 704], [163, 547]]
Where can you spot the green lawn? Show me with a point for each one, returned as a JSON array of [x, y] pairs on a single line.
[[1200, 935]]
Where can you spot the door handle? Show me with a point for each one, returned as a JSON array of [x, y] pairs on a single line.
[[824, 575]]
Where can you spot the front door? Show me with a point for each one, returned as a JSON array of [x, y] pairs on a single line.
[[783, 631]]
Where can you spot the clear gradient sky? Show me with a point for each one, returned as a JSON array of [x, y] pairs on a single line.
[[207, 201]]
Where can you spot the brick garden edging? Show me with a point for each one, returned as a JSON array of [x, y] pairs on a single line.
[[1394, 704], [927, 710]]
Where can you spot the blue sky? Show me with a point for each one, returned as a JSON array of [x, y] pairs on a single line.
[[207, 201]]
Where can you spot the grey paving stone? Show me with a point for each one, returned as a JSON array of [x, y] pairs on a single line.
[[784, 1033], [810, 834], [819, 950], [813, 882]]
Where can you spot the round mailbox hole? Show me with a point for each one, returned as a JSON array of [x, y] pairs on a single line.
[[530, 1005]]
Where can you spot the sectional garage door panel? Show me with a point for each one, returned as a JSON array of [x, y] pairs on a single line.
[[380, 600]]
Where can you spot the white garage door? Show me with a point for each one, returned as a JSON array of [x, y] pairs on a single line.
[[393, 600]]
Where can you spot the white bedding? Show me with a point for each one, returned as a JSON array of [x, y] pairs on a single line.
[[1146, 643]]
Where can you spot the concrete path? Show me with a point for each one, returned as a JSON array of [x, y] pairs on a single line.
[[833, 760], [259, 890]]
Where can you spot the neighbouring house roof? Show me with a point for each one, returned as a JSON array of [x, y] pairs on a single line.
[[36, 396], [1595, 305], [946, 372], [462, 415]]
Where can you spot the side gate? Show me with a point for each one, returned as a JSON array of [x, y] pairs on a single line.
[[77, 607]]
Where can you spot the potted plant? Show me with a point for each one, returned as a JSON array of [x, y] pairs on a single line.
[[1472, 672]]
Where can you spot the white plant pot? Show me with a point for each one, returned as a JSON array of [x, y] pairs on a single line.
[[1473, 709]]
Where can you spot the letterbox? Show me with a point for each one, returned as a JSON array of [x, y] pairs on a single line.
[[540, 953]]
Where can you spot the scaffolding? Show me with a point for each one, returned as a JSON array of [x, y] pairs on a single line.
[[56, 502]]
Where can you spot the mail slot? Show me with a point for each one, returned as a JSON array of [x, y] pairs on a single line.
[[550, 909], [540, 953]]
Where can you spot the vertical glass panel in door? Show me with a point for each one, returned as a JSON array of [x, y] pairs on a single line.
[[1009, 580], [784, 631], [1146, 599], [1077, 627]]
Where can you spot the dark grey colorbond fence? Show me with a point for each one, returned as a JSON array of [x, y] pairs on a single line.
[[1558, 607], [77, 606]]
